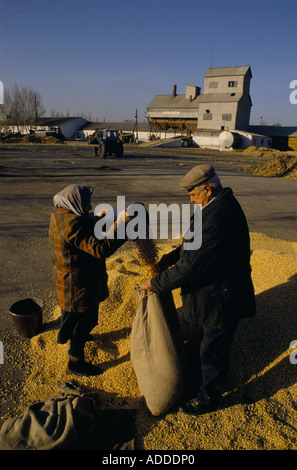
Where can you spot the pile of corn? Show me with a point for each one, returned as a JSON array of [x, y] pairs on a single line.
[[260, 151], [32, 138], [259, 406], [284, 165]]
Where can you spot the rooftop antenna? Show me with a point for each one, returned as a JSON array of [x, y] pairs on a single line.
[[212, 50]]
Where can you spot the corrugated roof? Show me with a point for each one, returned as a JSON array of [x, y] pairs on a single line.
[[50, 121], [56, 121], [275, 131], [226, 71], [126, 126], [173, 102]]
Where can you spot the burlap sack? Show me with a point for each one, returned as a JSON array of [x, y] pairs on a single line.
[[156, 351], [69, 420]]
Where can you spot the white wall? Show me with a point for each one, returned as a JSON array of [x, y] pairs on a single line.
[[69, 128], [217, 110], [222, 84], [255, 140]]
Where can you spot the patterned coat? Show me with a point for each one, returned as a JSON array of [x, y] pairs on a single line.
[[79, 272]]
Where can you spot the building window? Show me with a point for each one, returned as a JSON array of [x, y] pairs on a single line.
[[226, 117], [207, 116], [232, 84], [213, 84]]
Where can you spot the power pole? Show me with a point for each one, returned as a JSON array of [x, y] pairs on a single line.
[[135, 129], [35, 111]]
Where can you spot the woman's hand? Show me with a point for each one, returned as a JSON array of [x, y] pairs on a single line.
[[123, 217], [101, 213]]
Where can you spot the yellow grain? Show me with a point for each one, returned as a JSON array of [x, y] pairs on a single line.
[[259, 409]]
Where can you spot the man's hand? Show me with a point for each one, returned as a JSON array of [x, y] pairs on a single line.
[[147, 286]]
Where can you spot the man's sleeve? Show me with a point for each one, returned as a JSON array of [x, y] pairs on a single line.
[[170, 258], [192, 266]]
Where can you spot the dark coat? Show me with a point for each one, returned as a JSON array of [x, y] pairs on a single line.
[[215, 279]]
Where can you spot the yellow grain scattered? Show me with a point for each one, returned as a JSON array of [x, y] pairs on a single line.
[[148, 256], [259, 406]]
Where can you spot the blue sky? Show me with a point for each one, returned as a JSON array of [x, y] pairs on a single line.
[[109, 58]]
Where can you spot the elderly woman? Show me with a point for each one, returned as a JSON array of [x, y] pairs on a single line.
[[79, 272]]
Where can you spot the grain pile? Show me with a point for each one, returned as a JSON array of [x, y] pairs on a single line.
[[259, 405], [32, 139], [261, 151], [276, 164], [48, 139]]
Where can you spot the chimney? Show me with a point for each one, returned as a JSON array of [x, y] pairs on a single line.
[[174, 90]]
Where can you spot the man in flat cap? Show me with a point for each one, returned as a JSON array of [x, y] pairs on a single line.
[[215, 280]]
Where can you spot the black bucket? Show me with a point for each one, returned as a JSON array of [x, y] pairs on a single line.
[[27, 316]]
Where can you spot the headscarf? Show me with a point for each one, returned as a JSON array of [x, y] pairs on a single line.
[[74, 198]]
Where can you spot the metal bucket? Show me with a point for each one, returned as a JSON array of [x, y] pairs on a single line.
[[27, 316]]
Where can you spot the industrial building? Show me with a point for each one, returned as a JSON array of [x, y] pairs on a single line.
[[224, 105], [141, 131], [219, 117], [68, 126], [282, 137], [176, 112]]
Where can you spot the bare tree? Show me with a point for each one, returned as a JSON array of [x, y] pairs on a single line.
[[22, 107]]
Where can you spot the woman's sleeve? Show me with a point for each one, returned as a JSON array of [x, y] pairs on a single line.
[[81, 235]]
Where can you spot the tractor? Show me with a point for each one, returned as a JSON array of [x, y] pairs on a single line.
[[108, 142]]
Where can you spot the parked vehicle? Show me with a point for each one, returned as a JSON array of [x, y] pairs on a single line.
[[108, 142]]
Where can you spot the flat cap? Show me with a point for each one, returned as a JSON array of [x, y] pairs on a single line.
[[196, 176]]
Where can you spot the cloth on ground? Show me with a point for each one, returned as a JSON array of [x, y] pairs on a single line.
[[66, 421]]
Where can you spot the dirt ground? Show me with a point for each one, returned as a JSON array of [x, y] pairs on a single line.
[[31, 174]]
